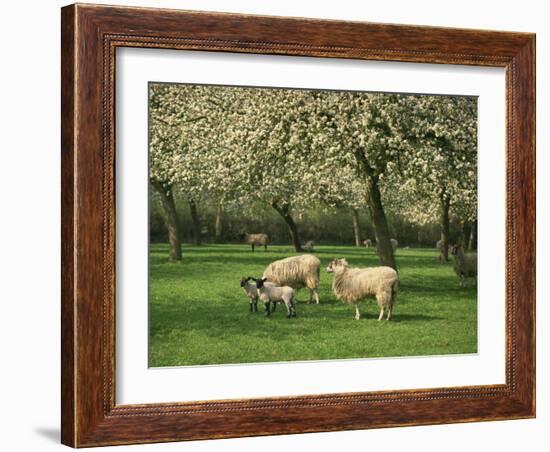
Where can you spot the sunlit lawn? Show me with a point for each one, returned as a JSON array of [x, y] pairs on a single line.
[[199, 314]]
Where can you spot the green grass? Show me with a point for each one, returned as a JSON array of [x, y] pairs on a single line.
[[199, 314]]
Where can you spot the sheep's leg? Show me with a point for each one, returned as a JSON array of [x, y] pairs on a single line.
[[381, 316], [357, 313], [255, 305], [273, 306], [252, 245], [288, 309], [292, 304], [251, 306], [316, 295], [266, 308], [389, 313]]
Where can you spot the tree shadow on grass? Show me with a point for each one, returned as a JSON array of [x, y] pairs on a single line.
[[398, 318], [198, 261]]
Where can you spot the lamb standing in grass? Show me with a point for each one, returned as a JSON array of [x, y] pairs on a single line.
[[256, 240], [352, 285], [273, 294], [251, 291], [296, 272], [367, 243], [465, 265]]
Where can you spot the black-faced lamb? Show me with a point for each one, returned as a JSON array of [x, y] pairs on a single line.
[[251, 291], [271, 295], [352, 285], [257, 240], [465, 265], [296, 272]]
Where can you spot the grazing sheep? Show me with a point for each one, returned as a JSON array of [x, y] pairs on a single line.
[[465, 265], [309, 246], [251, 291], [367, 243], [273, 294], [256, 240], [296, 272], [352, 285]]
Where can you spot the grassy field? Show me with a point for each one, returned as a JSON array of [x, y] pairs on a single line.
[[198, 314]]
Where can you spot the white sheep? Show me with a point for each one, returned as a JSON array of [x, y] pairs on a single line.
[[352, 285], [465, 265], [251, 291], [273, 294], [296, 272], [367, 243], [257, 240], [309, 246]]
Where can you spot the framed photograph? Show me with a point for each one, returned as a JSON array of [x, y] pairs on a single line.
[[280, 225]]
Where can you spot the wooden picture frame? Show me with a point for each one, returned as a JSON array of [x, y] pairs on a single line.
[[90, 36]]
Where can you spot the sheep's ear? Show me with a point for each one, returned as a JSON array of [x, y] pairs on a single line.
[[264, 279], [344, 261]]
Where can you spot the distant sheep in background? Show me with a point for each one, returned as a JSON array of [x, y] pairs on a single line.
[[309, 246], [465, 265], [394, 244], [352, 285], [296, 272], [367, 243], [256, 240]]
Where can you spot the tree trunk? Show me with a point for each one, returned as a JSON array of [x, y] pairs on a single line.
[[465, 230], [171, 219], [473, 236], [445, 204], [356, 231], [378, 217], [218, 225], [196, 223], [284, 211]]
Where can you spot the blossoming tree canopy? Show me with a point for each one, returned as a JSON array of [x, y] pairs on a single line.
[[297, 149], [439, 176]]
